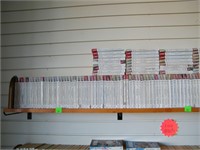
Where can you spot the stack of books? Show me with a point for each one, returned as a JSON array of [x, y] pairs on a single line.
[[145, 62], [179, 61], [108, 61]]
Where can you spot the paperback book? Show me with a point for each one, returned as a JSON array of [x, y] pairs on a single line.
[[139, 145], [106, 145]]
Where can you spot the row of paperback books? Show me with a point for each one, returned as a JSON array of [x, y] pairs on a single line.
[[121, 61], [109, 91], [95, 145], [38, 146], [106, 145]]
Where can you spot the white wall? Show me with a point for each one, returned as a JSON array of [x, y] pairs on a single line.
[[56, 38]]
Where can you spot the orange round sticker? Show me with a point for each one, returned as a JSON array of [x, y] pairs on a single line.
[[169, 127]]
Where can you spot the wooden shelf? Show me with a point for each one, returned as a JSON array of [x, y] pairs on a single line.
[[109, 110]]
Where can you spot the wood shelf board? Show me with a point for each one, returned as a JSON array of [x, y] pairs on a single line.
[[100, 110]]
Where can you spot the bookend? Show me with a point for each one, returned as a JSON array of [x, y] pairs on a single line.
[[11, 99], [29, 115], [5, 114]]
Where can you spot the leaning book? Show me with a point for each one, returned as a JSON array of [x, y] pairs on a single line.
[[136, 145], [106, 145]]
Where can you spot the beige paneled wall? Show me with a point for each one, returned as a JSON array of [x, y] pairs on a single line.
[[56, 38]]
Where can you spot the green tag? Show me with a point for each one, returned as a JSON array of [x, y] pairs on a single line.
[[58, 109], [188, 108]]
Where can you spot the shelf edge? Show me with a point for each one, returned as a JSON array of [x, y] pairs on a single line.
[[100, 110]]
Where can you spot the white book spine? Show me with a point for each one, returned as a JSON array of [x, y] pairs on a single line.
[[95, 93], [70, 86], [151, 93], [130, 91], [121, 92], [76, 93], [190, 92], [197, 92], [35, 97]]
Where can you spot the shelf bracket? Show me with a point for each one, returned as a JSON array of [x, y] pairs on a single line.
[[29, 116], [119, 116]]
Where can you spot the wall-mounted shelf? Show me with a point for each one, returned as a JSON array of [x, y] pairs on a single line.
[[109, 110], [11, 110]]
